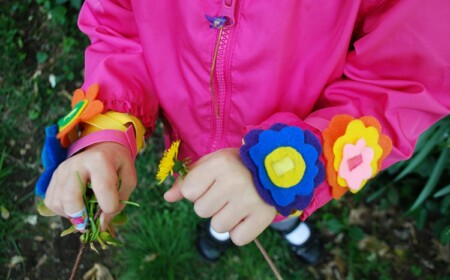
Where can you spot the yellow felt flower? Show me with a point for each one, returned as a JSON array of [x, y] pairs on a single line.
[[354, 150], [357, 130], [168, 162]]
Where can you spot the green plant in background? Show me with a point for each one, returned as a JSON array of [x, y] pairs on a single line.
[[422, 181]]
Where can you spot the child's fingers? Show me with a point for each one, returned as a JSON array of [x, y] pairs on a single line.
[[50, 199], [64, 194], [74, 207], [228, 217], [128, 180], [174, 193], [127, 184], [198, 181], [211, 201], [104, 183], [252, 226]]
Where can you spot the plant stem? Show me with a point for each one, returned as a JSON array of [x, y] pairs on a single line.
[[77, 261], [268, 260], [76, 265]]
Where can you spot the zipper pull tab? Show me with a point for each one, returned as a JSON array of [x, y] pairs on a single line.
[[228, 9]]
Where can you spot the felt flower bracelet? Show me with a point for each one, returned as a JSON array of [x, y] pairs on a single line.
[[286, 165], [66, 138], [287, 162], [354, 150]]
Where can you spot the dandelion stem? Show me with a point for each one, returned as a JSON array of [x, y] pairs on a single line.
[[268, 259], [76, 265]]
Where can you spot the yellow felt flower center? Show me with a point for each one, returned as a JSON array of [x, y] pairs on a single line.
[[285, 167]]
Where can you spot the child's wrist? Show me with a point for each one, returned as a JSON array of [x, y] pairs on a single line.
[[116, 121], [126, 139]]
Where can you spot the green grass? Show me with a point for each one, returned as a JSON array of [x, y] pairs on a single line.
[[160, 240]]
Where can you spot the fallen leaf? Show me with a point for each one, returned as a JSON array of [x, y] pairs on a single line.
[[38, 238], [5, 213], [358, 216], [442, 251], [98, 272], [41, 261], [372, 244], [15, 261], [31, 219], [150, 258]]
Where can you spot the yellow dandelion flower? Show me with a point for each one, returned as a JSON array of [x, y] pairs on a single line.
[[167, 162]]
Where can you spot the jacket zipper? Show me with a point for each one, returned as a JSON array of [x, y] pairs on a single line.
[[221, 89], [220, 81]]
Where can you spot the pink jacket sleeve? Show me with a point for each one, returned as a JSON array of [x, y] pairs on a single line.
[[115, 61], [398, 71]]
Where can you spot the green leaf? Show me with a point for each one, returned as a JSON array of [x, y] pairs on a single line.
[[95, 229], [106, 236], [393, 196], [334, 225], [130, 203], [421, 218], [120, 219], [75, 3], [84, 238], [432, 181], [445, 190], [102, 244], [41, 57], [59, 14], [97, 232], [418, 158], [83, 189], [445, 235], [68, 231], [377, 194], [44, 211]]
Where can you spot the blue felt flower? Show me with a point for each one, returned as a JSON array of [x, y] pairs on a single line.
[[285, 162], [52, 155]]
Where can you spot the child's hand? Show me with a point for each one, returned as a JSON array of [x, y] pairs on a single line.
[[101, 164], [221, 187]]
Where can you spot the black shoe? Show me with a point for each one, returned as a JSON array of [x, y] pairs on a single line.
[[209, 247], [311, 251]]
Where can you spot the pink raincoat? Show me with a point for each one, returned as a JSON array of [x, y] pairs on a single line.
[[284, 59]]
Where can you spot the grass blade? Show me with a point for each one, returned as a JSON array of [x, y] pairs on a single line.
[[417, 159], [432, 181], [68, 231], [445, 190], [130, 203]]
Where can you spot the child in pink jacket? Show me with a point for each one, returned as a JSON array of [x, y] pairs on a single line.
[[281, 106]]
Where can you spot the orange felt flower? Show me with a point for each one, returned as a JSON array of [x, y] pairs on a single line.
[[344, 132], [84, 107]]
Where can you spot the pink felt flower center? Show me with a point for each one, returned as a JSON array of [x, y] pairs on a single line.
[[355, 166], [354, 162]]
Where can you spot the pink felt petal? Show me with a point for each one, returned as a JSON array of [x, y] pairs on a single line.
[[363, 171]]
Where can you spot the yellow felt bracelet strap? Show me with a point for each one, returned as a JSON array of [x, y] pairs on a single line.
[[101, 122], [130, 119], [116, 121]]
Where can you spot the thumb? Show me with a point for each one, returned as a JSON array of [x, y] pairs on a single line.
[[174, 193]]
